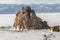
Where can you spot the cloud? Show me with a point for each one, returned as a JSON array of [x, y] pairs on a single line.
[[15, 1], [28, 1]]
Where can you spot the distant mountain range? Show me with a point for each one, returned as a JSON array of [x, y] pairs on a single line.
[[39, 8]]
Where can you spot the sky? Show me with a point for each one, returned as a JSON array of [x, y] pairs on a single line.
[[28, 1]]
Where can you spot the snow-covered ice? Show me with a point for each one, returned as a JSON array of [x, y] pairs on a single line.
[[27, 35]]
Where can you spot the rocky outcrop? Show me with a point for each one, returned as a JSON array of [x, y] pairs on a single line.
[[55, 28], [26, 18]]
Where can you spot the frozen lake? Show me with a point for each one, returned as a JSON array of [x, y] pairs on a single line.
[[51, 18]]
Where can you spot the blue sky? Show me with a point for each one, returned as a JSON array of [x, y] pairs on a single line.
[[28, 1]]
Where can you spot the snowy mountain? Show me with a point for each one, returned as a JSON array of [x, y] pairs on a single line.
[[39, 8]]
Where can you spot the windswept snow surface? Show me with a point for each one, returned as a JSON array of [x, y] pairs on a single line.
[[28, 35]]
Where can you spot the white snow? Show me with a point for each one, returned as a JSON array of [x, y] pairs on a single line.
[[28, 35], [52, 18], [7, 19]]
